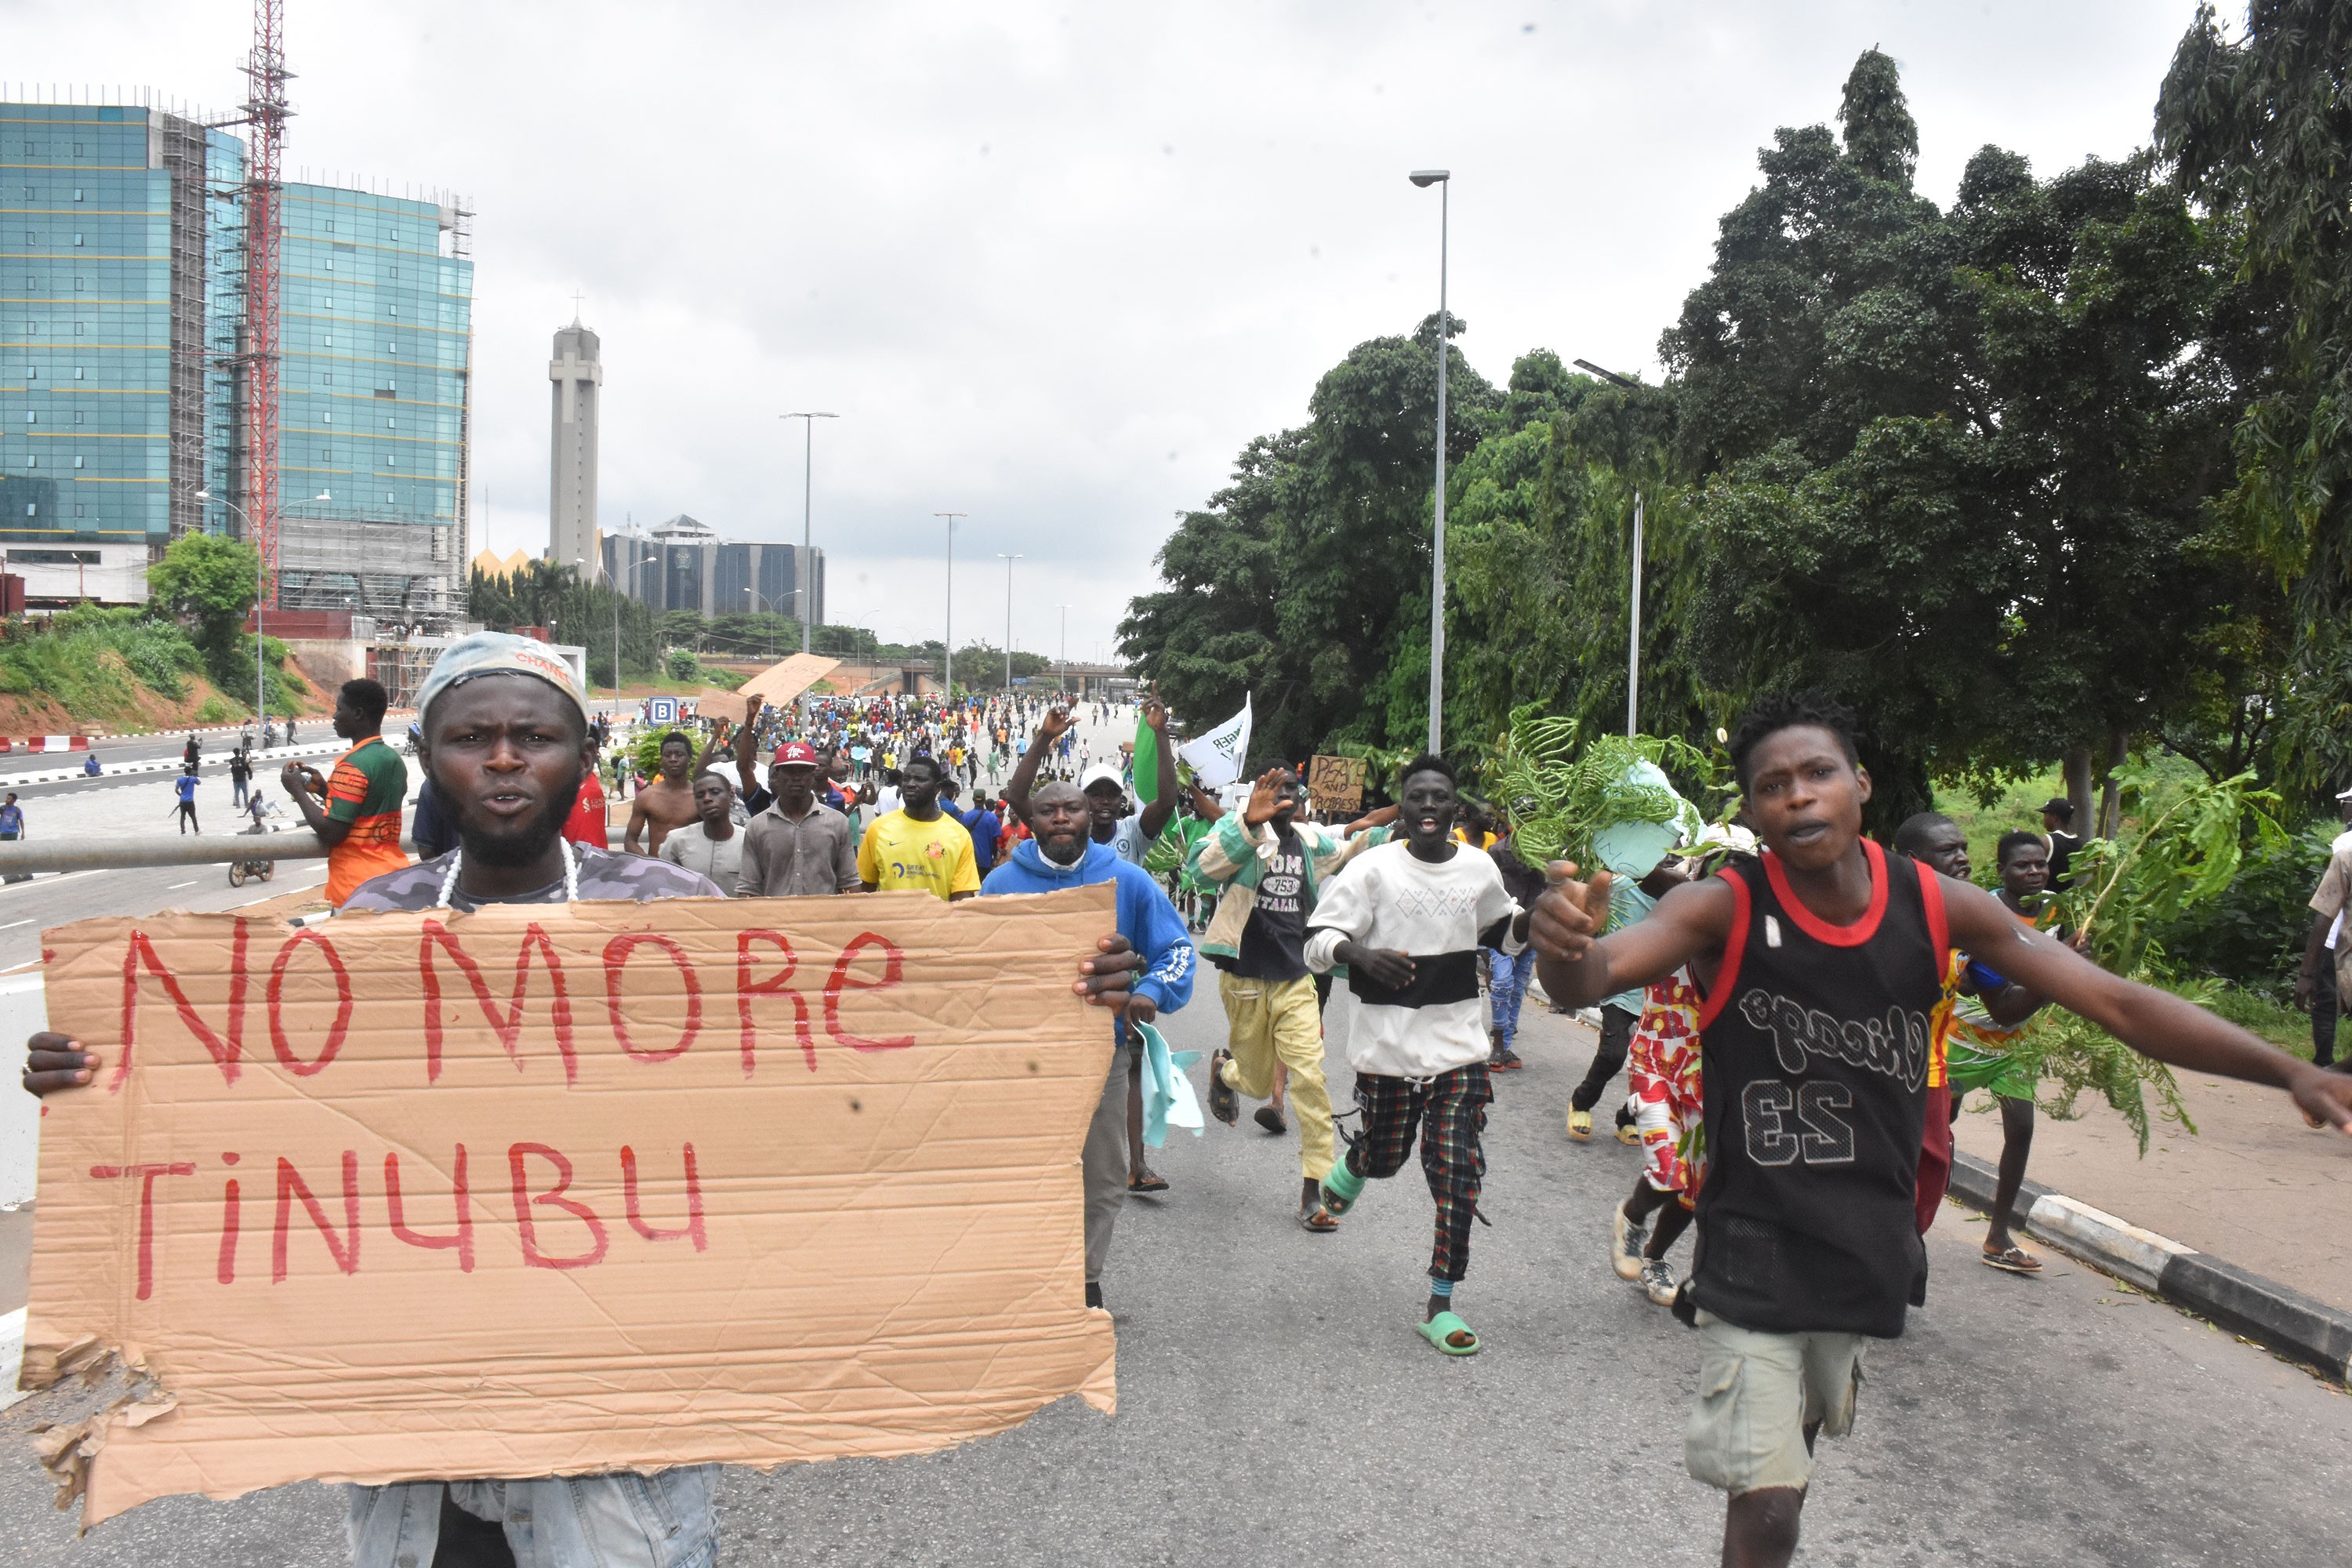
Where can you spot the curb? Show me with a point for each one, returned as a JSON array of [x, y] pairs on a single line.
[[2275, 1315]]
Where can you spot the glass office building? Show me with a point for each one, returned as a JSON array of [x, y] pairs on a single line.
[[684, 564], [122, 397], [118, 231], [375, 320]]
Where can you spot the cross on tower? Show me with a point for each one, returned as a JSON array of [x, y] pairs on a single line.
[[576, 298]]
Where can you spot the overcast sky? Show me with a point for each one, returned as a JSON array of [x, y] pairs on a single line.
[[1055, 264]]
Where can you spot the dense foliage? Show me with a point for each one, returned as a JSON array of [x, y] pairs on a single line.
[[2043, 478]]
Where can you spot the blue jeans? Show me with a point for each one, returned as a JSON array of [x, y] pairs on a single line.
[[618, 1520], [1507, 987]]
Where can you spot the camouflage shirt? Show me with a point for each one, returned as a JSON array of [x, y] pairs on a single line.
[[603, 874]]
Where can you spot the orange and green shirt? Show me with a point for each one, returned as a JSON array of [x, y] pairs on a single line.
[[366, 790]]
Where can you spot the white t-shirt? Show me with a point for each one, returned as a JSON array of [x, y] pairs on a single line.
[[1386, 898], [1129, 842]]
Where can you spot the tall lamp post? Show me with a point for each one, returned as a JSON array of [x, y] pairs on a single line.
[[1633, 639], [1008, 561], [1444, 179], [260, 682], [1066, 650], [808, 550], [947, 645]]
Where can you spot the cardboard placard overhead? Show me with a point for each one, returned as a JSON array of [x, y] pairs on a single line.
[[1335, 784], [557, 1189]]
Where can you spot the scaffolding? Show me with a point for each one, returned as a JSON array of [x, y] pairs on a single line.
[[179, 147], [393, 571]]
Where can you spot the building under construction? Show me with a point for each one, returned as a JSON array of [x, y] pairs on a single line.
[[127, 373]]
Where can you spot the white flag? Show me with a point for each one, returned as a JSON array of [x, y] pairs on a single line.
[[1217, 756]]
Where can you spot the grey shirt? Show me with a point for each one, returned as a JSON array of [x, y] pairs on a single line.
[[786, 859], [720, 859]]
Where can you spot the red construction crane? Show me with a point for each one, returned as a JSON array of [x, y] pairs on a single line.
[[265, 112]]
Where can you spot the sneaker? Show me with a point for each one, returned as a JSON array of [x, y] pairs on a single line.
[[1580, 1124], [1627, 1237], [1224, 1101], [1658, 1280], [1504, 1060], [1094, 1294]]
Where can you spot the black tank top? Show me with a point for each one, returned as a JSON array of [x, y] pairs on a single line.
[[1816, 1050]]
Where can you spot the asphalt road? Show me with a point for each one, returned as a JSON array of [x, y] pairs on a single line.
[[1276, 1408]]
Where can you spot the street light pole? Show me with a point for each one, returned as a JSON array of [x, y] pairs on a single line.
[[947, 645], [808, 538], [1008, 561], [1633, 643], [1066, 650], [1444, 179]]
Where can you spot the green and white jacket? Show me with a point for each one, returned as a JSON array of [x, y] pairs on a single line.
[[1233, 856]]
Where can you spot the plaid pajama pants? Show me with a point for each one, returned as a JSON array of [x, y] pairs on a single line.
[[1449, 1111]]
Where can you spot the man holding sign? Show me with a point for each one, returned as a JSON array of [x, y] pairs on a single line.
[[505, 740]]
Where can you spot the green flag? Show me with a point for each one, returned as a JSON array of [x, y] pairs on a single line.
[[1147, 759]]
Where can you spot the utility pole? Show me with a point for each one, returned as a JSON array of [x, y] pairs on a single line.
[[1443, 180], [947, 643], [1633, 650], [1008, 561], [807, 566]]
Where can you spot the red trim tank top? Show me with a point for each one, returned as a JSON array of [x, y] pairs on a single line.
[[1817, 1044]]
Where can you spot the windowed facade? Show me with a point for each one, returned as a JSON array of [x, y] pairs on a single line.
[[110, 223], [121, 393]]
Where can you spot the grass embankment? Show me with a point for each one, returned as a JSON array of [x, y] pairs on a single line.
[[119, 670]]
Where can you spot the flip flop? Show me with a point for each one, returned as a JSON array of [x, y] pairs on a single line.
[[2016, 1260], [1224, 1101], [1149, 1182], [1440, 1332], [1317, 1221], [1271, 1119]]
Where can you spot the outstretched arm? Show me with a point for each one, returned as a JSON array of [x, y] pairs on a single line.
[[1578, 968], [2152, 1022]]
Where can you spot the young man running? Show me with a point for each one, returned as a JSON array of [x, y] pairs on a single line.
[[505, 736], [1408, 920], [1268, 864], [1821, 963]]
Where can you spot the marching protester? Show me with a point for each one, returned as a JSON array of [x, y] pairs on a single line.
[[505, 742], [183, 789], [1407, 918], [2326, 977], [666, 804], [1508, 974], [711, 847], [980, 822], [1268, 866], [1065, 854], [1823, 962], [360, 822], [796, 845], [590, 823], [916, 844]]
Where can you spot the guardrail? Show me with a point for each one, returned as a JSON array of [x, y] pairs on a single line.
[[141, 853]]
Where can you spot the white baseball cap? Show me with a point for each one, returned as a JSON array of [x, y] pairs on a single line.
[[1102, 772]]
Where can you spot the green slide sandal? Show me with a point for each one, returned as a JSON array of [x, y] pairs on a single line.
[[1340, 1189], [1444, 1330]]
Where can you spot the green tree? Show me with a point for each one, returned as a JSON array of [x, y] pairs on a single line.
[[2259, 131], [211, 583]]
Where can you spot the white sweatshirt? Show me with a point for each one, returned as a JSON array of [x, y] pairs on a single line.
[[1435, 911]]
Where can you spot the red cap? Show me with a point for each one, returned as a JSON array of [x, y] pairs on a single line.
[[795, 751]]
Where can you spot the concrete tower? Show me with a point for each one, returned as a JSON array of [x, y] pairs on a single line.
[[572, 449]]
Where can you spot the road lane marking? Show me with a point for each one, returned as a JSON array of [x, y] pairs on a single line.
[[177, 886], [12, 925]]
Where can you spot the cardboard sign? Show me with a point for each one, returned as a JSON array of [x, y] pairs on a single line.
[[552, 1189], [1335, 784]]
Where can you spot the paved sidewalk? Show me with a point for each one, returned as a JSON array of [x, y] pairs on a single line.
[[2254, 1187]]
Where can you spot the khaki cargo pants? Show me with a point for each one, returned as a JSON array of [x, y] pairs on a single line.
[[1268, 1020]]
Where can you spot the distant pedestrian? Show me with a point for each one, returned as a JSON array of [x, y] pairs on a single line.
[[2326, 978], [240, 775], [185, 787], [194, 751], [12, 826], [2057, 819]]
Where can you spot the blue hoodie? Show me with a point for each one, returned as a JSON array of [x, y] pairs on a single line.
[[1146, 917]]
